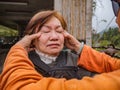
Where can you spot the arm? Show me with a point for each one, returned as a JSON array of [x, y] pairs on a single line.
[[19, 74], [96, 61], [90, 58]]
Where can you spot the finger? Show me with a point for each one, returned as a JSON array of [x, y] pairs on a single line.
[[65, 33], [33, 36]]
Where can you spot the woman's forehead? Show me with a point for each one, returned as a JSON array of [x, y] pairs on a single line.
[[53, 21]]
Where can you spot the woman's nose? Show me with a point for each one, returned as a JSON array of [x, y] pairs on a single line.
[[54, 35]]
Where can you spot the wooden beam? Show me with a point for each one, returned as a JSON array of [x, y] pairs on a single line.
[[89, 22], [15, 18]]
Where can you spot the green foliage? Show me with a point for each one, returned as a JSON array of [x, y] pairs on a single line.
[[95, 38], [110, 36], [104, 42], [5, 31]]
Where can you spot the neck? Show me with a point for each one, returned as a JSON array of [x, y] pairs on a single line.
[[45, 57]]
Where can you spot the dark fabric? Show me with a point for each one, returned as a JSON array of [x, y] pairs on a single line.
[[3, 54], [115, 6], [65, 66]]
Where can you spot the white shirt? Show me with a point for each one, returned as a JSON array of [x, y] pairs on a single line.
[[45, 58]]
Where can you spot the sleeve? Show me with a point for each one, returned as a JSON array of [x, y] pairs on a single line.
[[19, 74], [97, 61]]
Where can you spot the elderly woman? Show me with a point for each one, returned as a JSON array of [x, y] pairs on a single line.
[[49, 57], [51, 60]]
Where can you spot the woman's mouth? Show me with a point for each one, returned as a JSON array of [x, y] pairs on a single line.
[[53, 45]]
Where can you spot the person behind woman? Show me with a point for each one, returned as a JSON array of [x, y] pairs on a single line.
[[19, 72]]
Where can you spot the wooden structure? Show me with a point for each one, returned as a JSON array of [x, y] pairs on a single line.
[[78, 14]]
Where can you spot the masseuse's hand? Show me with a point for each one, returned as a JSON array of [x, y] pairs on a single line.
[[71, 42], [26, 40]]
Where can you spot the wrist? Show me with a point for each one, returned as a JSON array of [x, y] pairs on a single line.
[[79, 50]]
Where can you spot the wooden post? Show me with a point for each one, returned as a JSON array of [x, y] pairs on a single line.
[[89, 22], [77, 16]]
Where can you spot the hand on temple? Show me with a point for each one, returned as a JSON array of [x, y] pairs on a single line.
[[26, 40], [71, 42]]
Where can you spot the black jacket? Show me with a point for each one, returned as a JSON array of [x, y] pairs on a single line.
[[65, 66]]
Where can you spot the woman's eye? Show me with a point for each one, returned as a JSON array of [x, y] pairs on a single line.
[[59, 30], [45, 31]]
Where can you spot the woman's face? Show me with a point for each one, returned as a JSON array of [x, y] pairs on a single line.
[[51, 41]]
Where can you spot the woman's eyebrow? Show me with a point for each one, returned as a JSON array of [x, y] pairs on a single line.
[[45, 25], [49, 27], [58, 26]]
